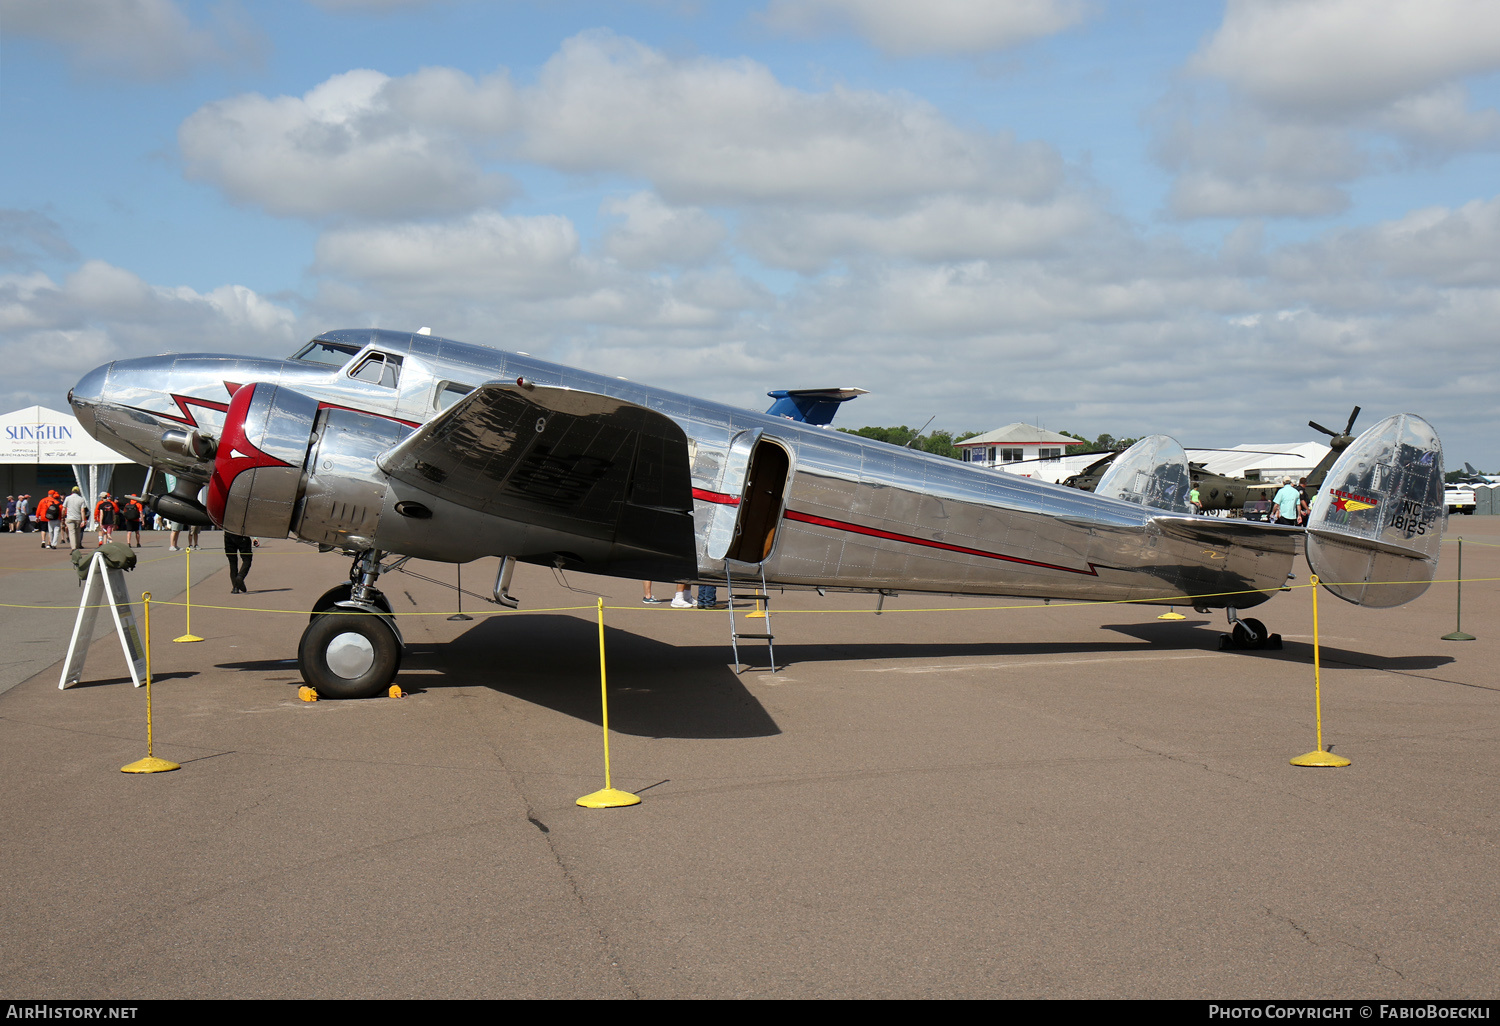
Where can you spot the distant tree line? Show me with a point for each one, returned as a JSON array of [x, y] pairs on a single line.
[[944, 443], [939, 443], [1104, 443]]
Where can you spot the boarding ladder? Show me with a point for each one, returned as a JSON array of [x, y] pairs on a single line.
[[762, 597]]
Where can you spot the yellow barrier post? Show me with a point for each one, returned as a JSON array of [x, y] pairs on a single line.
[[608, 798], [1459, 634], [187, 598], [150, 764], [1319, 757]]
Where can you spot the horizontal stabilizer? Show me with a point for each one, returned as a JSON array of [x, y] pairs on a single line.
[[1377, 523], [814, 406]]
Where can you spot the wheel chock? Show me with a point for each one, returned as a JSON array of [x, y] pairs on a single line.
[[396, 692], [307, 694]]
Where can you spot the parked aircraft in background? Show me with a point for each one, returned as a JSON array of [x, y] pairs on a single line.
[[1219, 493], [388, 445]]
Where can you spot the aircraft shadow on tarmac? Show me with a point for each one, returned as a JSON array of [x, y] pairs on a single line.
[[1172, 635], [156, 678], [655, 689]]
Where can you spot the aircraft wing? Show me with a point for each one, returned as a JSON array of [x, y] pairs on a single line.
[[577, 463]]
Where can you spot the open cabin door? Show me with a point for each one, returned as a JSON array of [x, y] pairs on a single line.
[[755, 473]]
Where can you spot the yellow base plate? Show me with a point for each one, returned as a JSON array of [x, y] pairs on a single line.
[[188, 637], [1320, 758], [609, 798], [150, 764], [1171, 616]]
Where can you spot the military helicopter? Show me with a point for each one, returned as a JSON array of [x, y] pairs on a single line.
[[1218, 493]]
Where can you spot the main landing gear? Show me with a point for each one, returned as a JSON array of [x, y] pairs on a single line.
[[1247, 633], [351, 648]]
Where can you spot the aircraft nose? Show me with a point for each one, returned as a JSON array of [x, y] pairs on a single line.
[[85, 396]]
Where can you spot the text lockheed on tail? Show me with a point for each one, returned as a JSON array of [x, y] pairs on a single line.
[[382, 443]]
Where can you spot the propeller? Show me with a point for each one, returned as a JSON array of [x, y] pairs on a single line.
[[1338, 440]]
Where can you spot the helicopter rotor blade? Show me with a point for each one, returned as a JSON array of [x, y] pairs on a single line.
[[1319, 427], [1349, 427]]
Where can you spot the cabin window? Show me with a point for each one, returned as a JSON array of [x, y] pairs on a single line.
[[379, 369], [450, 392], [333, 354]]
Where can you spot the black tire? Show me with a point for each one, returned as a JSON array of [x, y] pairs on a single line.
[[349, 655], [1242, 636], [333, 596]]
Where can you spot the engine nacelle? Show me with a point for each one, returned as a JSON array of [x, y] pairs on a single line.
[[258, 466], [343, 490], [286, 466]]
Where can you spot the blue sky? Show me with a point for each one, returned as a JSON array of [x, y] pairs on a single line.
[[1215, 221]]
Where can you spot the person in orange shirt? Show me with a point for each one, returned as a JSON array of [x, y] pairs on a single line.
[[105, 515], [131, 512], [49, 514]]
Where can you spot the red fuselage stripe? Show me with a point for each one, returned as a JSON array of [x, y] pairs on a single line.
[[874, 532], [719, 497]]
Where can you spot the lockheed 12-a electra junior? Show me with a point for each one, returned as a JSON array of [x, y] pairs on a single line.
[[388, 445]]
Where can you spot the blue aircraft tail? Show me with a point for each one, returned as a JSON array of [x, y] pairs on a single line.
[[814, 406]]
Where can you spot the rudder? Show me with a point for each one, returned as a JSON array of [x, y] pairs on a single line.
[[1377, 523]]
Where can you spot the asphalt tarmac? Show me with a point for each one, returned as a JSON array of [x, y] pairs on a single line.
[[1051, 801]]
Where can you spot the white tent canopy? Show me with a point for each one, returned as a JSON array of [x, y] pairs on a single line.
[[35, 434], [1272, 459], [38, 435]]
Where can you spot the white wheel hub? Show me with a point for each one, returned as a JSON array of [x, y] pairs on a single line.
[[350, 655]]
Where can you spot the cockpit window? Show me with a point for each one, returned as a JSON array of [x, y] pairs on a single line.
[[451, 392], [333, 354], [379, 369]]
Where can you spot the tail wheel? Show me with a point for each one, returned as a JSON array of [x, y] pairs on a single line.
[[349, 655], [1242, 638]]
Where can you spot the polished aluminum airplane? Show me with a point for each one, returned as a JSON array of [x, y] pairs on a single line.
[[391, 445]]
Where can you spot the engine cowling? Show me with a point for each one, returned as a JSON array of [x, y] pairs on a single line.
[[257, 475], [287, 464]]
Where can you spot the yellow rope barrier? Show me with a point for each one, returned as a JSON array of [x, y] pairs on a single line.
[[1181, 600]]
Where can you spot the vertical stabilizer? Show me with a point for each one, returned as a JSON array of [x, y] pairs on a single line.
[[1377, 523], [1152, 472]]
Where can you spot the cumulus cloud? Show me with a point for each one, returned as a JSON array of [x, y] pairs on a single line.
[[485, 254], [708, 130], [944, 227], [652, 234], [144, 39], [698, 130], [1332, 57], [936, 27], [1296, 99], [27, 236], [358, 144], [51, 332], [1429, 248]]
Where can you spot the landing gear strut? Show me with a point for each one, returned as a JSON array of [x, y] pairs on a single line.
[[1247, 633], [351, 648]]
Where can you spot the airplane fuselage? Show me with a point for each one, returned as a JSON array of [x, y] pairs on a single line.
[[808, 506]]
